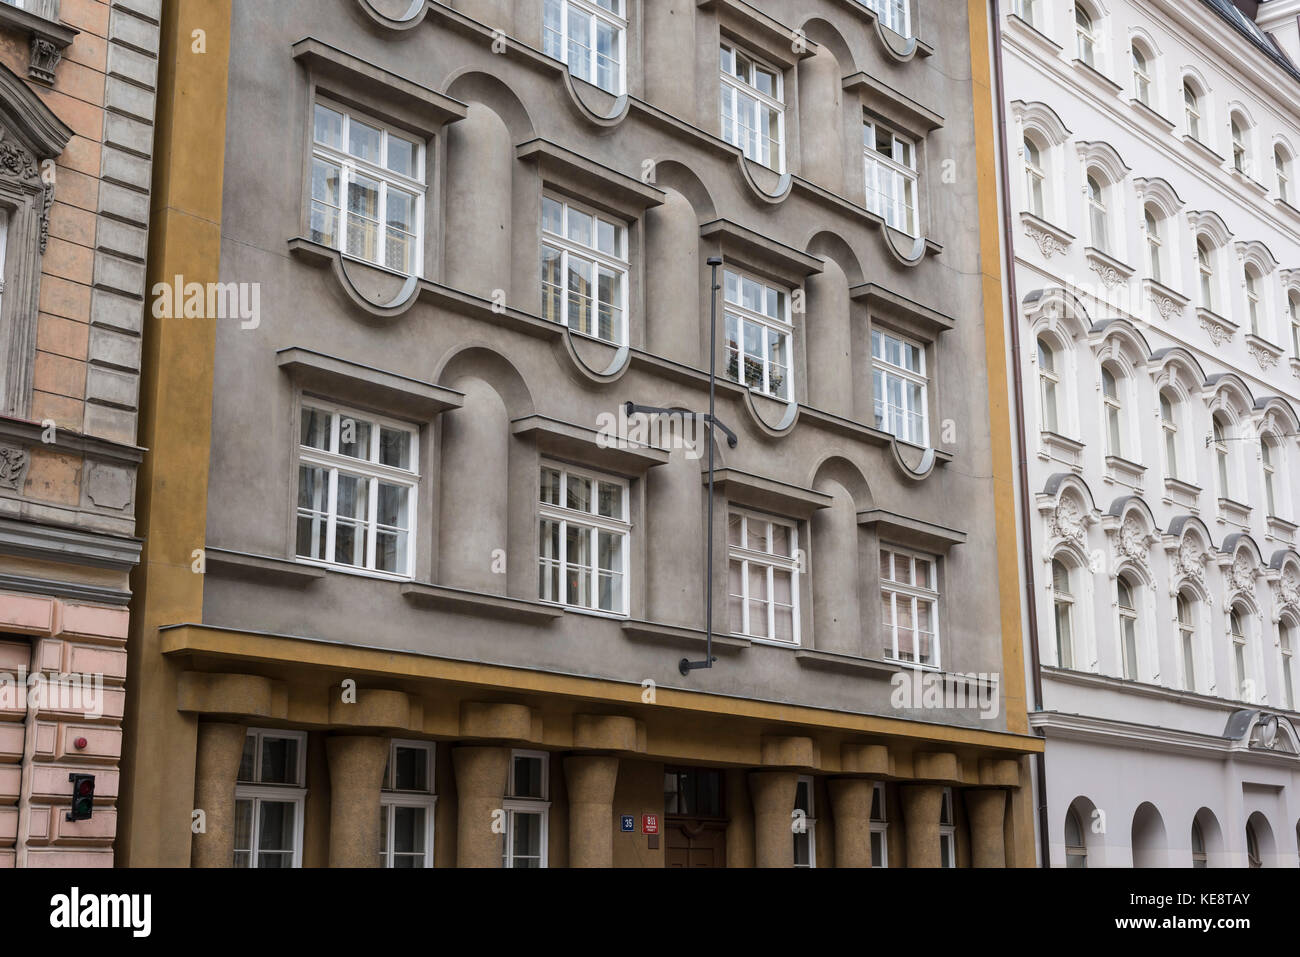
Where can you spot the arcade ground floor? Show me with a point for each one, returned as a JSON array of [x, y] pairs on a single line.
[[267, 751]]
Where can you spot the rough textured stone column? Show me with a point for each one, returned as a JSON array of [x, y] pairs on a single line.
[[356, 776], [216, 765], [772, 793], [591, 780], [986, 808], [481, 775], [851, 805], [921, 808]]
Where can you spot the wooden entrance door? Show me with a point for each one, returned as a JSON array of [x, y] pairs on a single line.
[[692, 842]]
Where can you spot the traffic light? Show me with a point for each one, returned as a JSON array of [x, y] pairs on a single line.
[[83, 796]]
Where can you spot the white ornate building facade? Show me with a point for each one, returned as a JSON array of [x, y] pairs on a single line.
[[1153, 179]]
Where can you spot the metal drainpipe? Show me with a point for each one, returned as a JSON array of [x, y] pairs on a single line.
[[1013, 304]]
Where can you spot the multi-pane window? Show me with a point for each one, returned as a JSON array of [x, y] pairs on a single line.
[[367, 190], [899, 387], [357, 480], [891, 178], [584, 270], [879, 827], [1293, 306], [1285, 642], [1049, 381], [527, 810], [269, 799], [406, 803], [947, 832], [1270, 475], [1128, 625], [1027, 10], [1252, 299], [1199, 857], [693, 792], [1219, 435], [1034, 178], [763, 576], [1169, 426], [1240, 671], [805, 830], [1085, 36], [1205, 269], [758, 334], [892, 13], [1238, 145], [1100, 231], [1154, 244], [1192, 110], [1141, 76], [589, 37], [1283, 169], [753, 107], [1114, 407], [1076, 851], [909, 600], [1187, 640], [1063, 614], [582, 558]]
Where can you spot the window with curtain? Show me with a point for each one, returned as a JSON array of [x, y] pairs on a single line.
[[763, 576], [753, 107], [899, 387], [1268, 454], [759, 333], [1128, 628], [1063, 610], [892, 13], [584, 527], [891, 176], [909, 598], [584, 270]]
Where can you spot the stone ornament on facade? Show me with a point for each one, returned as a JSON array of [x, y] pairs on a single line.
[[1218, 333], [1109, 275], [1165, 306], [1048, 244], [19, 164], [46, 57], [1241, 576], [1266, 359], [1067, 522], [1131, 543], [1289, 590], [13, 463]]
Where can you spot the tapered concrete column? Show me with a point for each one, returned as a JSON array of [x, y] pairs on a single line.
[[922, 805], [591, 780], [772, 793], [851, 805], [216, 765], [986, 809], [481, 775], [356, 776]]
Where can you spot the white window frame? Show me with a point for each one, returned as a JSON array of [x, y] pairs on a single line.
[[1115, 418], [1169, 430], [733, 87], [882, 370], [1219, 437], [1240, 646], [1155, 244], [1293, 306], [1192, 116], [810, 819], [1286, 634], [894, 14], [893, 591], [1063, 603], [1049, 386], [1187, 638], [1281, 165], [594, 13], [1205, 269], [1027, 10], [741, 316], [1129, 617], [1098, 214], [572, 249], [1269, 468], [772, 562], [947, 830], [514, 806], [257, 793], [904, 178], [1142, 85], [1035, 179], [880, 825], [1254, 299], [390, 798], [1086, 38], [369, 470], [1240, 148], [594, 524], [350, 165]]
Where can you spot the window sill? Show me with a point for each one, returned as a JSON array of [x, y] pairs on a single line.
[[1120, 471], [744, 489], [607, 188], [1234, 513], [1281, 529], [1111, 271], [346, 381], [921, 321], [1285, 207], [1219, 329], [657, 633], [1265, 353], [1062, 448], [769, 37], [1100, 81], [246, 566], [896, 107], [588, 446], [1051, 239], [1183, 494], [913, 532], [844, 664], [481, 603], [49, 38], [1202, 150], [760, 252], [1168, 301], [1153, 116], [1245, 179], [1019, 27], [1295, 366]]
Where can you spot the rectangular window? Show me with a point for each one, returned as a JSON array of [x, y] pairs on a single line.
[[759, 332], [805, 824], [588, 36], [879, 827], [909, 600], [891, 176], [357, 482], [367, 190], [528, 810], [406, 804], [584, 270], [763, 576], [753, 107], [582, 558], [899, 387], [892, 13], [692, 792], [947, 832], [269, 799]]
